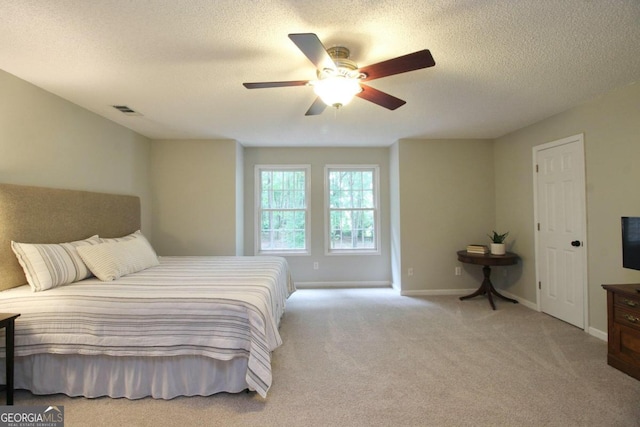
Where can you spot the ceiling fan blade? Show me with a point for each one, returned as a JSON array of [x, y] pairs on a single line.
[[313, 49], [382, 99], [262, 85], [401, 64], [316, 108]]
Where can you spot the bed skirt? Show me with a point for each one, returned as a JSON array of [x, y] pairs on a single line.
[[129, 377]]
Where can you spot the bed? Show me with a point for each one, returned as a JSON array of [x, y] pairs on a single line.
[[183, 326]]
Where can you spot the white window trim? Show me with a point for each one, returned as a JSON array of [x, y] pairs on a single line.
[[376, 211], [257, 210]]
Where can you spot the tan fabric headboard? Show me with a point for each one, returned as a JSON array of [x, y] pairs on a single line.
[[46, 215]]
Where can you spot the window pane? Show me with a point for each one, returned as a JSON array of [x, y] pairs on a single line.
[[352, 229], [282, 190], [282, 230], [351, 189]]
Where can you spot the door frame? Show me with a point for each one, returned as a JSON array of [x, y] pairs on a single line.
[[579, 139]]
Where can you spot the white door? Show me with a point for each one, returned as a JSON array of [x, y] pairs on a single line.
[[561, 229]]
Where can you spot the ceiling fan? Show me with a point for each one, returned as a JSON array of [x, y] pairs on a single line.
[[340, 79]]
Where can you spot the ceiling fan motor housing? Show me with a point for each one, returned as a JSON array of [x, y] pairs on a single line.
[[344, 65]]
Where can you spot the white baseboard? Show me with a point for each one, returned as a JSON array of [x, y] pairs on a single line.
[[328, 285], [461, 292], [598, 334], [526, 303], [435, 292]]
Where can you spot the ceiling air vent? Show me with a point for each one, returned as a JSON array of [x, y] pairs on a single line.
[[126, 110]]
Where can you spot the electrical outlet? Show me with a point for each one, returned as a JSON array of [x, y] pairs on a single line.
[[316, 265], [458, 271], [410, 271]]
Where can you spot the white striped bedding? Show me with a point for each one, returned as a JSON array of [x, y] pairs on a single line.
[[219, 307]]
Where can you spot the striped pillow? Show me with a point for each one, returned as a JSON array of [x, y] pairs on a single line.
[[49, 265], [112, 260]]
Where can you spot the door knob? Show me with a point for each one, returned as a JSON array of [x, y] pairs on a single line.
[[576, 243]]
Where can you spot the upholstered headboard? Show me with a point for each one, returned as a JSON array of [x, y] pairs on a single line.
[[46, 215]]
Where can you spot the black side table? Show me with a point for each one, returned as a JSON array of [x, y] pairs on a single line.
[[7, 321]]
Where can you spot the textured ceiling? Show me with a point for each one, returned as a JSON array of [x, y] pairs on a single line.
[[499, 65]]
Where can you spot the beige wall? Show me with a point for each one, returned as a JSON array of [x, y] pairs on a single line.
[[47, 141], [447, 201], [357, 270], [193, 193], [611, 127]]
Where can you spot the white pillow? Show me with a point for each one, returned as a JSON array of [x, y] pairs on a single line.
[[112, 260], [135, 235], [49, 265]]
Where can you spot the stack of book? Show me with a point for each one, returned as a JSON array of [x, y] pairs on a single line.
[[477, 249]]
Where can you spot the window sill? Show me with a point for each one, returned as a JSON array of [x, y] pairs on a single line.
[[283, 253]]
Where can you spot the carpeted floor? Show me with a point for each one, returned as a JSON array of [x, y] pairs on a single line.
[[369, 357]]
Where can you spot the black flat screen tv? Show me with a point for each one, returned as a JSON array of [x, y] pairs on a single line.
[[631, 242]]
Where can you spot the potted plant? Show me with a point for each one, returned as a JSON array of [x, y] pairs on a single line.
[[497, 243]]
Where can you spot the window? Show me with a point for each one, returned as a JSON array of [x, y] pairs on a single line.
[[282, 209], [351, 199]]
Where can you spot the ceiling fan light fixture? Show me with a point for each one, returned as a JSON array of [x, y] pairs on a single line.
[[338, 77], [337, 91]]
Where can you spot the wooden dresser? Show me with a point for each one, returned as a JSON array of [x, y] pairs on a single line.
[[623, 312]]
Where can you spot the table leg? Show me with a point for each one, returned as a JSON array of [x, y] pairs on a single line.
[[487, 288], [487, 285], [480, 291], [483, 289], [9, 360], [496, 293]]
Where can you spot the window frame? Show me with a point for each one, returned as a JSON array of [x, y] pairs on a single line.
[[258, 210], [376, 209]]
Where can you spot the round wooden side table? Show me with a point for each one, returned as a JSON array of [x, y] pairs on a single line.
[[488, 261]]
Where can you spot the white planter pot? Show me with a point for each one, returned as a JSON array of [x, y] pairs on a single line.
[[498, 249]]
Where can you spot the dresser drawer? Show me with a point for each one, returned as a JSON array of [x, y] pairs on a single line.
[[629, 318], [629, 349], [631, 302]]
